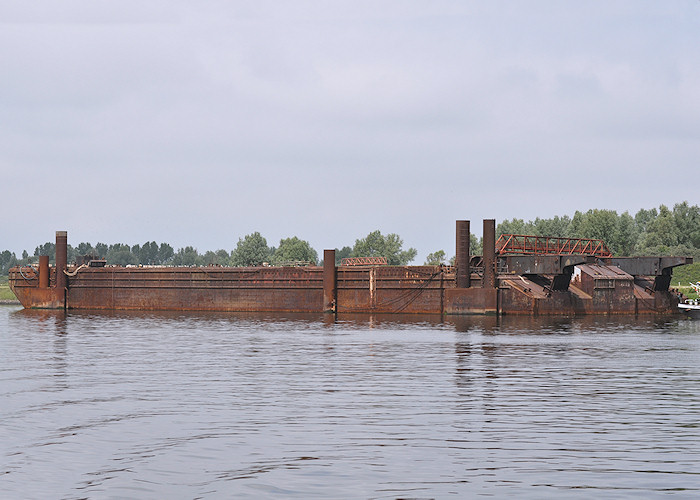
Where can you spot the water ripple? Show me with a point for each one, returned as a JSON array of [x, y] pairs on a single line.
[[307, 406]]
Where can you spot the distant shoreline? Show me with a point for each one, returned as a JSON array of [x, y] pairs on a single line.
[[9, 302]]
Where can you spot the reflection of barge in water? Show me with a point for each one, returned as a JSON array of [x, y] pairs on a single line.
[[520, 275]]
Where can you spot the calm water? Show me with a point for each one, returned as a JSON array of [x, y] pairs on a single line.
[[160, 405]]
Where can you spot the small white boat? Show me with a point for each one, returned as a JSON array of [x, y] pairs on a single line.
[[692, 309]]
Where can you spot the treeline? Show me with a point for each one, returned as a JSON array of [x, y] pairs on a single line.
[[252, 250], [661, 231], [378, 245]]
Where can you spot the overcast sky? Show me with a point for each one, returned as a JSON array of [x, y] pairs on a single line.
[[196, 123]]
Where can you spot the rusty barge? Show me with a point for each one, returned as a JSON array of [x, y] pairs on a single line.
[[517, 274]]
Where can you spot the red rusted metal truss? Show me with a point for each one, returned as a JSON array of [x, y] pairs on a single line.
[[520, 244], [363, 261]]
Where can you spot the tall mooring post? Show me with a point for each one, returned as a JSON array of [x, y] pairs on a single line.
[[44, 271], [61, 258], [329, 281], [489, 253], [462, 255]]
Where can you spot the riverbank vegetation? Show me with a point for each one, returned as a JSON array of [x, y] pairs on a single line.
[[655, 231], [661, 231], [251, 250], [5, 292]]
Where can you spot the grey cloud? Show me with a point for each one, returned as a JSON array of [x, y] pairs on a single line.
[[199, 123]]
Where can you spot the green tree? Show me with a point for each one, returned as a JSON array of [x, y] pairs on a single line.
[[72, 253], [597, 224], [556, 227], [627, 235], [120, 254], [662, 233], [294, 250], [687, 221], [102, 249], [644, 217], [7, 260], [515, 226], [187, 256], [436, 258], [476, 245], [165, 254], [47, 248], [218, 258], [342, 254], [84, 248], [389, 246], [251, 251], [148, 253]]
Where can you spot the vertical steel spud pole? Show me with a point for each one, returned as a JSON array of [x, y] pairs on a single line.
[[61, 265], [329, 281], [489, 253], [61, 258], [462, 255], [43, 271]]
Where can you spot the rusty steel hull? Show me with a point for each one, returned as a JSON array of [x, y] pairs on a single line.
[[198, 289], [378, 289], [540, 284], [389, 289], [384, 289]]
